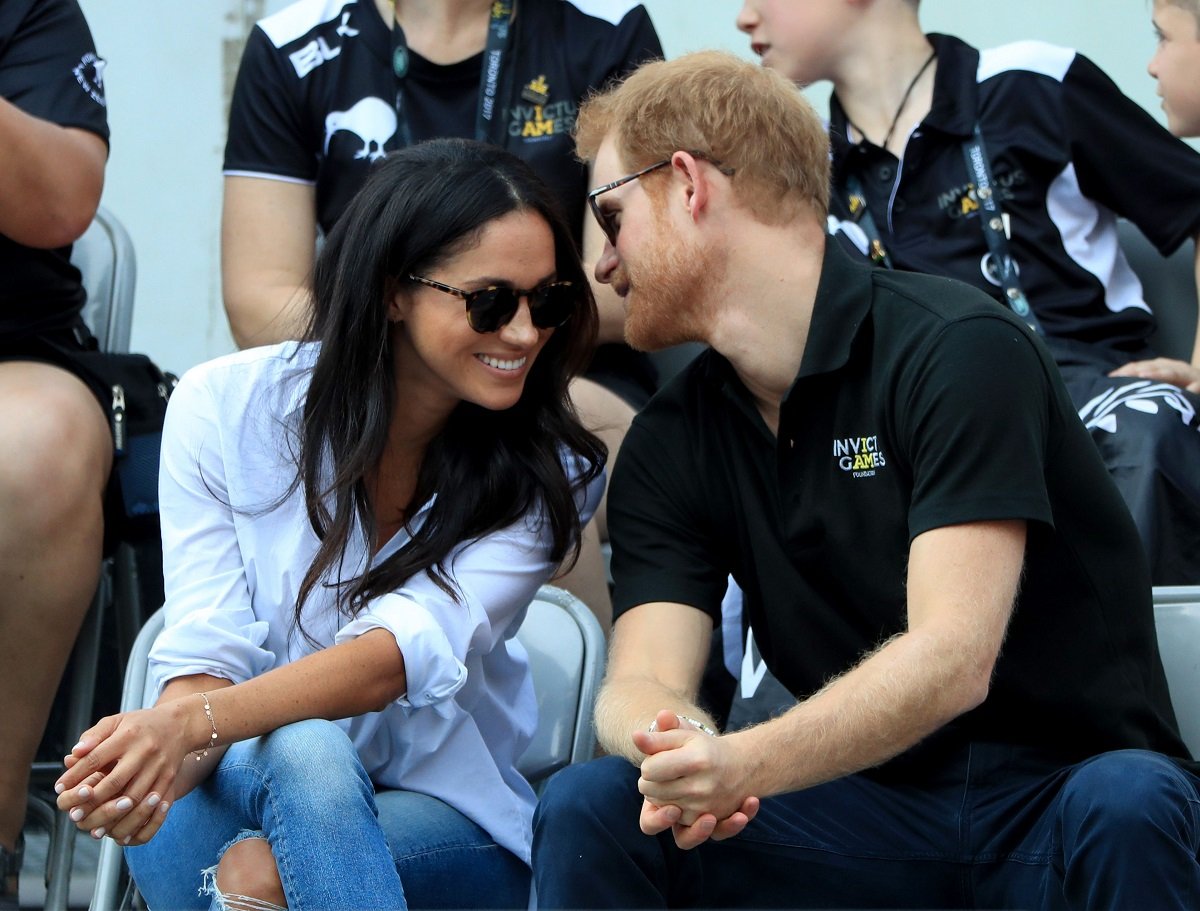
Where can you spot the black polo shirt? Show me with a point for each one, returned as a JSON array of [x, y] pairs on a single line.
[[48, 69], [316, 98], [920, 403], [1069, 152]]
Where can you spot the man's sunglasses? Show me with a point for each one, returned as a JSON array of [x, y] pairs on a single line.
[[608, 220], [491, 308]]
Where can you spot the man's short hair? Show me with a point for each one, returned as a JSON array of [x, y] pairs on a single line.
[[744, 116]]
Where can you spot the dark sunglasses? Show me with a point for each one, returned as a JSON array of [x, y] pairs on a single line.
[[491, 308], [608, 220]]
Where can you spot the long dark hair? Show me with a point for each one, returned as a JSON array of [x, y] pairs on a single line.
[[420, 207]]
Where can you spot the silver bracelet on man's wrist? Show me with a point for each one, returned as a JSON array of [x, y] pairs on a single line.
[[690, 722]]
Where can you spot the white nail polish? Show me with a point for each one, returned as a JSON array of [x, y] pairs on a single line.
[[152, 800], [98, 832], [85, 792], [124, 803], [76, 814], [77, 746], [163, 807], [126, 839], [59, 787]]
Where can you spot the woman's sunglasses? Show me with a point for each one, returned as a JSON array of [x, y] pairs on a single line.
[[491, 308]]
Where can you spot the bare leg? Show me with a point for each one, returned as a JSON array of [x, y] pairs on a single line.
[[55, 456], [247, 870]]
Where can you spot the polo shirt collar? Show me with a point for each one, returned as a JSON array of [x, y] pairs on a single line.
[[955, 87], [955, 96], [842, 303], [843, 300]]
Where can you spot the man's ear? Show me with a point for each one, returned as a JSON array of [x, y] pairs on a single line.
[[694, 180]]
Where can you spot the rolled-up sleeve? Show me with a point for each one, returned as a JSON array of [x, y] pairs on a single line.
[[496, 577], [210, 625]]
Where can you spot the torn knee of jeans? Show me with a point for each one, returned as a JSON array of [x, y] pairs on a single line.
[[232, 901]]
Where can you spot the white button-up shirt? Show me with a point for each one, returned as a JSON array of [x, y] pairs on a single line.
[[236, 545]]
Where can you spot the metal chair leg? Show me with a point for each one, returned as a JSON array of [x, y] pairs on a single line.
[[85, 661]]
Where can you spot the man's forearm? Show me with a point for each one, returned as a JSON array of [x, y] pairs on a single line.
[[907, 689], [962, 583], [629, 704]]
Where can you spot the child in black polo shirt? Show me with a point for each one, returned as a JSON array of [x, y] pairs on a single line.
[[919, 124]]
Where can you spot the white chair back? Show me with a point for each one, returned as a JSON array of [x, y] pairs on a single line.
[[1169, 286], [566, 655], [104, 256], [1177, 620]]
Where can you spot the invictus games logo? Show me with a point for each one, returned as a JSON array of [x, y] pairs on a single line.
[[962, 202], [537, 91], [860, 456], [541, 118]]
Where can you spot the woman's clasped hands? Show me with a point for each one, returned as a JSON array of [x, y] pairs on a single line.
[[122, 775]]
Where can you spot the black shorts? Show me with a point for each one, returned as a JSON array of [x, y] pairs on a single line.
[[63, 348]]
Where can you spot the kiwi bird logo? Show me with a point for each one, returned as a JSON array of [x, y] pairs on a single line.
[[372, 120]]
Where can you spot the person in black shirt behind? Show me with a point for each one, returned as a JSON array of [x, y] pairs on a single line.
[[56, 448], [934, 559]]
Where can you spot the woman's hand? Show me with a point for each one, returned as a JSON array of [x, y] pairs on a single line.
[[121, 776], [131, 823]]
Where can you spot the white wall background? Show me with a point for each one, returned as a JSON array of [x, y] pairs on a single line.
[[171, 65]]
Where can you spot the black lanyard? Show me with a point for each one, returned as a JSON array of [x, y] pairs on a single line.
[[493, 79], [991, 219], [861, 213]]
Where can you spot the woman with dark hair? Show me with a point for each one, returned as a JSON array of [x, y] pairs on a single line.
[[353, 526], [325, 89]]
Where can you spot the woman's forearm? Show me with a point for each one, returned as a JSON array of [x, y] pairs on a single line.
[[342, 681]]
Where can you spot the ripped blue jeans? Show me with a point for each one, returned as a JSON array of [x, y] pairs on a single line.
[[337, 844]]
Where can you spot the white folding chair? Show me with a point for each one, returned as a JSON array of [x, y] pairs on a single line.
[[105, 259], [566, 657], [1177, 621], [106, 893]]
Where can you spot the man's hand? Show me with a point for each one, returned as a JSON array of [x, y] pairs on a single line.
[[1163, 370], [688, 779]]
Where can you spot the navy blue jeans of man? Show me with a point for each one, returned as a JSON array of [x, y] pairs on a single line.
[[993, 828]]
